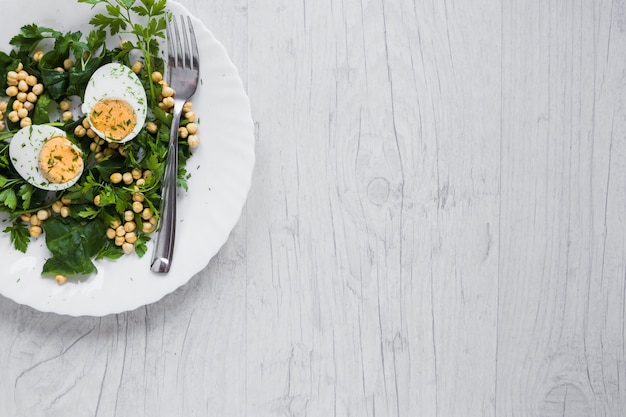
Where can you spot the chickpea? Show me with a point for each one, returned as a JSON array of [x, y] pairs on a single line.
[[128, 248], [25, 217], [85, 123], [99, 156], [25, 122], [129, 215], [94, 147], [31, 97], [130, 237], [3, 106], [37, 89], [91, 134], [96, 200], [21, 113], [35, 221], [115, 223], [21, 74], [28, 105], [35, 231], [12, 91], [192, 128], [146, 214], [65, 105], [80, 131], [37, 56], [60, 279], [190, 116], [157, 76], [136, 67], [147, 173], [167, 92], [2, 126], [138, 197], [140, 182], [111, 233], [67, 116], [67, 64], [137, 207], [147, 227], [187, 106], [14, 117], [152, 128], [120, 231], [20, 67], [119, 240], [22, 85], [56, 206], [127, 177], [65, 211], [66, 201], [21, 97], [193, 141], [136, 173], [183, 132], [116, 178], [11, 76], [130, 227], [168, 102], [31, 80], [43, 214]]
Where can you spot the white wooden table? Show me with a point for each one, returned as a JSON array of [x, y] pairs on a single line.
[[436, 227]]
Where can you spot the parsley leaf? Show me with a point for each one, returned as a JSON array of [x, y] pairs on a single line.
[[20, 237]]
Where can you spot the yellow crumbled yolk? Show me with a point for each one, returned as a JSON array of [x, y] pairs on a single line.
[[114, 118], [59, 160]]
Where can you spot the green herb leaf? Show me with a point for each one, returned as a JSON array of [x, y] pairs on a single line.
[[8, 198], [72, 243], [19, 235]]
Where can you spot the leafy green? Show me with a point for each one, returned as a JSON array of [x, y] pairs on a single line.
[[77, 236], [119, 19], [73, 244], [20, 237]]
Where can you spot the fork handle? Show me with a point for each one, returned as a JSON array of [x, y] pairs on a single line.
[[166, 231]]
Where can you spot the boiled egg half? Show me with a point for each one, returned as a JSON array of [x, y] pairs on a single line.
[[115, 103], [45, 157]]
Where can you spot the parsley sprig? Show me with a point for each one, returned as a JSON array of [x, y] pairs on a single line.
[[119, 18]]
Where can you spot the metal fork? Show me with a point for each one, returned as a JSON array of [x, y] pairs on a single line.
[[183, 73]]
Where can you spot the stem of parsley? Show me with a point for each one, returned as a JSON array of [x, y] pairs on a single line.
[[119, 19]]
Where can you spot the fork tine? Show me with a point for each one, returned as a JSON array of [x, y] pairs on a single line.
[[171, 50], [186, 51], [179, 49], [195, 55]]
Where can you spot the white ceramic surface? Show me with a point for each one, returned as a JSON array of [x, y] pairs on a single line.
[[221, 171]]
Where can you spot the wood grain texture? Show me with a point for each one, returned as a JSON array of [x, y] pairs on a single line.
[[435, 228]]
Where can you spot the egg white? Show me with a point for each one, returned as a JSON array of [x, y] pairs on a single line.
[[24, 152], [116, 81]]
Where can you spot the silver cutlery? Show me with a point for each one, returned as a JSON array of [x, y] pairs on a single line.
[[183, 74]]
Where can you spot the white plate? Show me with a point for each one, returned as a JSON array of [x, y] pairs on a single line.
[[221, 171]]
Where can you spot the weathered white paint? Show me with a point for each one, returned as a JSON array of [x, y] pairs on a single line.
[[435, 228]]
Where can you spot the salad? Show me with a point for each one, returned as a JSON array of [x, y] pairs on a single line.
[[84, 129]]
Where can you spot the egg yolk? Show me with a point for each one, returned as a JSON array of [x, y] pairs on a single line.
[[59, 160], [115, 118]]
